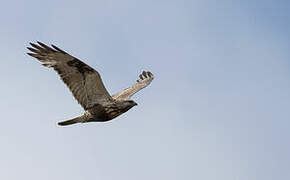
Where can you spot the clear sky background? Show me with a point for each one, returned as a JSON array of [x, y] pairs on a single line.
[[218, 108]]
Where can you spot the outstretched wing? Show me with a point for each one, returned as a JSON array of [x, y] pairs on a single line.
[[145, 80], [84, 82]]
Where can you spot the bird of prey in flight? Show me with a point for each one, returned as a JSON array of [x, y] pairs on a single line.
[[86, 85]]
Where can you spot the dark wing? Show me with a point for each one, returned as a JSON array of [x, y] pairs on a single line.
[[144, 81], [84, 82]]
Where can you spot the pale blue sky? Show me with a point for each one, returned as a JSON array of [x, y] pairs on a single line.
[[218, 108]]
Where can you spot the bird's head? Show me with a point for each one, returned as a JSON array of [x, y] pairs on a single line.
[[128, 104]]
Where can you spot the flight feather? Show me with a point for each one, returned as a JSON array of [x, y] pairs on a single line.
[[84, 82]]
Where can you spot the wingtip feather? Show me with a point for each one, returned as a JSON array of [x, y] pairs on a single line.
[[58, 49], [31, 54]]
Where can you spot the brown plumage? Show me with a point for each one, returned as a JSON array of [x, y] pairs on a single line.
[[86, 85]]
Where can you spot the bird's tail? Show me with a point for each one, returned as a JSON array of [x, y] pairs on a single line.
[[71, 121]]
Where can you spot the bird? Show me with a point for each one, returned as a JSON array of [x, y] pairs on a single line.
[[86, 85]]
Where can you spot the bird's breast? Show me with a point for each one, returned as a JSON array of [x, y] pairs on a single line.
[[104, 113]]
